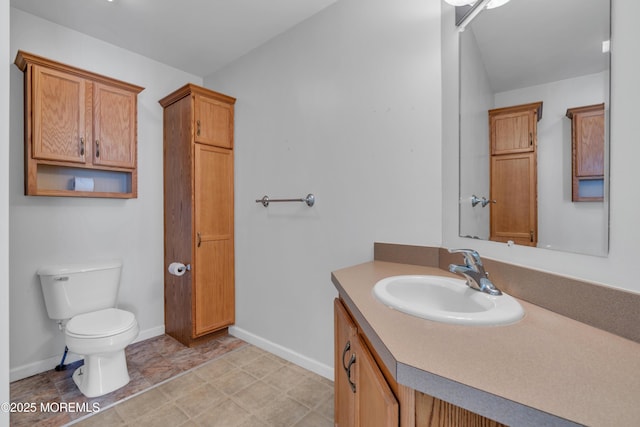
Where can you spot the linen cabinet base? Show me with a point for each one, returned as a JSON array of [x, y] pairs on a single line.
[[198, 213]]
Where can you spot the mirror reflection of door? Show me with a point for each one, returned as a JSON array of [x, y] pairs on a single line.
[[513, 181]]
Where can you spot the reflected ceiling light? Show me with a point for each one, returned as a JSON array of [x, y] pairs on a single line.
[[459, 2], [492, 4], [496, 3]]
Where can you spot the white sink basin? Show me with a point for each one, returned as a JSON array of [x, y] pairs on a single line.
[[446, 299]]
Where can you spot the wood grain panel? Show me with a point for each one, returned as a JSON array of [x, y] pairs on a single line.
[[178, 218], [114, 141], [214, 276], [376, 405], [432, 412], [214, 121], [513, 187], [345, 333], [58, 116]]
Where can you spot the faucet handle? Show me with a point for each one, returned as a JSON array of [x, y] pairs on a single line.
[[471, 257]]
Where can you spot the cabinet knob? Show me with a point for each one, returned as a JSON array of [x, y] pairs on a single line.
[[198, 127], [81, 146], [97, 148]]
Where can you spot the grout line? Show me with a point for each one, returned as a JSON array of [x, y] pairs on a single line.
[[111, 405]]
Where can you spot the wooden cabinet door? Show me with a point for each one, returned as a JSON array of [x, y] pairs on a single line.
[[214, 298], [513, 129], [213, 122], [513, 187], [345, 335], [59, 113], [512, 132], [589, 143], [376, 406], [114, 123]]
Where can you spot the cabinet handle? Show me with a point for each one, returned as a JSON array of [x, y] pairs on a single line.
[[347, 367], [97, 148], [347, 347], [352, 360], [81, 146], [530, 138], [531, 235], [198, 130], [199, 239]]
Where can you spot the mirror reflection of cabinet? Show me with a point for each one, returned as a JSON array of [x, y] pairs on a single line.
[[587, 152], [514, 194]]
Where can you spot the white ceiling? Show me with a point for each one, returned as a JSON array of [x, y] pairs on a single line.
[[530, 42], [197, 36]]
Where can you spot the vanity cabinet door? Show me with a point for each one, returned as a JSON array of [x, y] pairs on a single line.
[[345, 334], [58, 116], [362, 395], [376, 406]]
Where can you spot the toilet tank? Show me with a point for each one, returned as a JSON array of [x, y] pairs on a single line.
[[79, 288]]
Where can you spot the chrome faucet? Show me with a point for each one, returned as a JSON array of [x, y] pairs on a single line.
[[473, 271]]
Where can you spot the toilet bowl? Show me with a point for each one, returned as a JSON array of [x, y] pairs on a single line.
[[101, 336], [82, 299]]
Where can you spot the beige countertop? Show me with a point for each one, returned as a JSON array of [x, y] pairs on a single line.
[[546, 369]]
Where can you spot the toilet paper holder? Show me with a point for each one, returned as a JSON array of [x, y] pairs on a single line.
[[178, 268]]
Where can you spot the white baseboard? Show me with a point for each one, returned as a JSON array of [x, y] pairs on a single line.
[[287, 354], [24, 371]]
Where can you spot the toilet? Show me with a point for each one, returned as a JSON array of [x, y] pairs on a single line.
[[82, 298]]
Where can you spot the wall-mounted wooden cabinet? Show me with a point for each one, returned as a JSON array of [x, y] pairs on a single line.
[[587, 149], [78, 124], [198, 212]]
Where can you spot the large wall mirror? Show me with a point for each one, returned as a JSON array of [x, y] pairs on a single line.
[[531, 161]]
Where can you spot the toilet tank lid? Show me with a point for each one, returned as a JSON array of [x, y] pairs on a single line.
[[55, 270]]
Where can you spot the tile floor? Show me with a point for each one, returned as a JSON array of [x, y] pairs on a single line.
[[225, 382]]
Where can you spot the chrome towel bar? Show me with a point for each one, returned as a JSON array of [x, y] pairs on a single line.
[[309, 200]]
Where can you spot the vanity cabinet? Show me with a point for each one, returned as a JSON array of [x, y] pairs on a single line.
[[362, 395], [587, 152], [78, 124], [367, 395], [198, 213], [513, 177]]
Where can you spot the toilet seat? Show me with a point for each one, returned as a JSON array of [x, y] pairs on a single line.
[[100, 324]]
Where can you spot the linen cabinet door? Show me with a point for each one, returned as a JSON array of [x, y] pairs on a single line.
[[214, 297], [514, 188], [58, 114], [213, 122]]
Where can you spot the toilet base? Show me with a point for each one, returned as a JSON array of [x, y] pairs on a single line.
[[102, 373]]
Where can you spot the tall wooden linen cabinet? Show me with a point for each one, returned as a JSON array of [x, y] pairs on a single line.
[[198, 213]]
